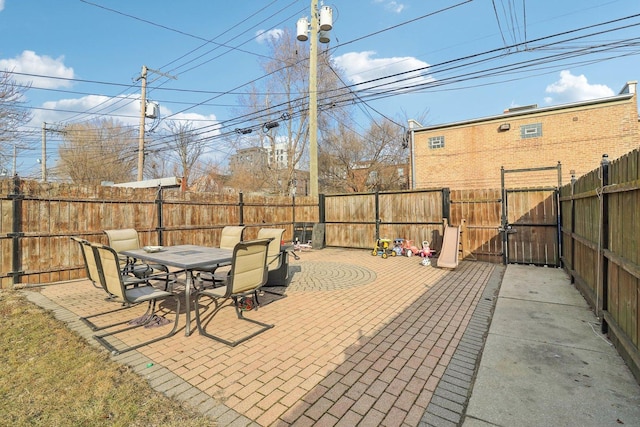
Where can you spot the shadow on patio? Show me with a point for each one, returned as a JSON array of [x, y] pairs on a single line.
[[358, 339]]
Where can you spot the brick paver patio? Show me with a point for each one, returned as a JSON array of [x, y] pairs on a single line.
[[358, 340]]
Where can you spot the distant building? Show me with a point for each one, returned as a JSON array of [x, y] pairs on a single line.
[[469, 154], [259, 157], [252, 157], [281, 158]]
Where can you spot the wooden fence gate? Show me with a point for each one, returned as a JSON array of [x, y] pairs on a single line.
[[530, 222]]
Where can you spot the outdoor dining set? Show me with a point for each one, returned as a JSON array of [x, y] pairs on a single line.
[[129, 275]]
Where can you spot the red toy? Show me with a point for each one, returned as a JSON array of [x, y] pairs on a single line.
[[409, 248]]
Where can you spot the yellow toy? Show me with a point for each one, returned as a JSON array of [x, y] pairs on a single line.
[[382, 248]]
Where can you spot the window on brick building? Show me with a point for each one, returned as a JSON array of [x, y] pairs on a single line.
[[531, 131], [436, 142]]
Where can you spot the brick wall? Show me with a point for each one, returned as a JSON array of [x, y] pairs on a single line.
[[576, 135]]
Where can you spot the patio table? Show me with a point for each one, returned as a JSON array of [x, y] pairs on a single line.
[[187, 258]]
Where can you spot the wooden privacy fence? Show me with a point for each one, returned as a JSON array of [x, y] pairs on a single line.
[[597, 231], [37, 220], [358, 220], [600, 229]]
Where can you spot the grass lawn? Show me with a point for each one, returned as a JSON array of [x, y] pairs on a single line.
[[49, 376]]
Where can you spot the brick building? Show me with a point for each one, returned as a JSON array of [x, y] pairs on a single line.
[[469, 154]]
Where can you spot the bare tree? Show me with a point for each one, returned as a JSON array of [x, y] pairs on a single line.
[[101, 150], [350, 162], [209, 178], [186, 147], [280, 102], [12, 115]]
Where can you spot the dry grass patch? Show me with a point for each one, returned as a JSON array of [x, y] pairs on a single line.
[[51, 376]]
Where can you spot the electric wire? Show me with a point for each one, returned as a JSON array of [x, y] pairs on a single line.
[[364, 98]]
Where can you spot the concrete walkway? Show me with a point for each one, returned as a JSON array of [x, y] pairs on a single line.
[[545, 362], [361, 340]]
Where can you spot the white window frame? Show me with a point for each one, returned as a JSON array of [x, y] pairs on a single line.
[[436, 142], [533, 130]]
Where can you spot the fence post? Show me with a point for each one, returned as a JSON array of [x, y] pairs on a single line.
[[573, 227], [558, 216], [321, 209], [293, 210], [241, 207], [504, 220], [16, 231], [603, 284], [160, 226], [446, 204], [377, 203]]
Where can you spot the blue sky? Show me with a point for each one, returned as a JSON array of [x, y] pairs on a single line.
[[470, 58]]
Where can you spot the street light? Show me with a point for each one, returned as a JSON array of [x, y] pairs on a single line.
[[318, 29]]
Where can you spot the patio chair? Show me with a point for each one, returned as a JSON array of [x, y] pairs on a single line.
[[277, 259], [229, 237], [93, 274], [89, 261], [110, 272], [127, 239], [248, 274]]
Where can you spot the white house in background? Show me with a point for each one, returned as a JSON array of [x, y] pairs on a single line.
[[281, 156]]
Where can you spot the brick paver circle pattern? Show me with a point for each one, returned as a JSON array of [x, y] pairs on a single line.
[[328, 276]]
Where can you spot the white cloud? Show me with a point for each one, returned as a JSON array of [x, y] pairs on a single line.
[[392, 6], [262, 35], [361, 67], [1, 5], [203, 125], [570, 88], [128, 110], [64, 109], [29, 62]]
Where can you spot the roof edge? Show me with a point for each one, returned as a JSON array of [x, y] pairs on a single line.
[[630, 93]]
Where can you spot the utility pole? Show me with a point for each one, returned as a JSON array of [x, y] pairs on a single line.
[[321, 24], [143, 114], [313, 99]]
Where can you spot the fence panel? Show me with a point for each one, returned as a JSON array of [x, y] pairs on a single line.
[[533, 216], [603, 259], [37, 219], [350, 220], [481, 209]]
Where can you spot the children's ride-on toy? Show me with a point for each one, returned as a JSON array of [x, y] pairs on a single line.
[[397, 247], [409, 248], [425, 253], [382, 248]]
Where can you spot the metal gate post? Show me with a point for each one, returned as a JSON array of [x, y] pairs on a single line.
[[241, 207], [573, 227], [377, 202], [603, 305], [321, 208], [446, 204], [16, 231], [503, 221], [160, 226], [559, 216]]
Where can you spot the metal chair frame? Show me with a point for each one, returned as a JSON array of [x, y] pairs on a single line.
[[248, 273]]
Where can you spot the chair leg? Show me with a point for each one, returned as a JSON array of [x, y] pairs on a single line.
[[201, 329], [95, 327], [151, 308]]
